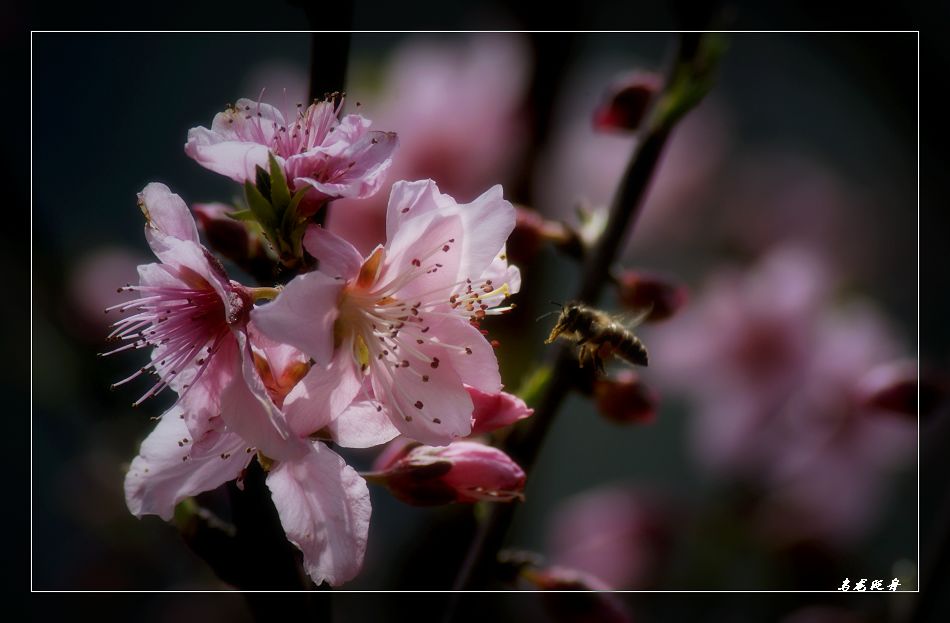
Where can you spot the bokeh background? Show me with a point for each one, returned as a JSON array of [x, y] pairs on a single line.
[[786, 204]]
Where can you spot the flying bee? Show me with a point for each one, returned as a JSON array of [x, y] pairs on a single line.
[[598, 335]]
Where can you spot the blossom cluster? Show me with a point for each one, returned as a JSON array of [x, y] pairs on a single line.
[[353, 350]]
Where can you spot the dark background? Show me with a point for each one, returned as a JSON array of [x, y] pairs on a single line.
[[109, 115]]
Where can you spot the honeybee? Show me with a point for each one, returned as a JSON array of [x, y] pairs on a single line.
[[597, 336]]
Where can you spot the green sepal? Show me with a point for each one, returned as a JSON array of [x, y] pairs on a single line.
[[242, 215], [279, 191]]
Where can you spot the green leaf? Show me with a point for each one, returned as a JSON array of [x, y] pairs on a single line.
[[263, 182], [242, 215], [279, 191], [262, 209]]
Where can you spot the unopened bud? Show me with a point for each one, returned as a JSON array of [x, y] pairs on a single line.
[[894, 387], [657, 297], [625, 399], [463, 471], [627, 102], [494, 411], [531, 232]]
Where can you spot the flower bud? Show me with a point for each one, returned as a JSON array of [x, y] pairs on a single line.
[[627, 102], [894, 387], [624, 399], [463, 471], [494, 411], [532, 230], [659, 298]]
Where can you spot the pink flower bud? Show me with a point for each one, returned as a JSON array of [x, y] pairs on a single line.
[[627, 102], [532, 230], [624, 399], [641, 291], [494, 411], [463, 471], [893, 387]]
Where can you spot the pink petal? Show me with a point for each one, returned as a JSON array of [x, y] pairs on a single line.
[[323, 394], [478, 369], [350, 129], [361, 425], [494, 411], [364, 165], [426, 241], [433, 409], [324, 507], [262, 115], [408, 200], [168, 469], [247, 410], [337, 257], [487, 221], [303, 315], [167, 213], [232, 158]]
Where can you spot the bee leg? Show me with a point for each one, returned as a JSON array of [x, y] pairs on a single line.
[[555, 332]]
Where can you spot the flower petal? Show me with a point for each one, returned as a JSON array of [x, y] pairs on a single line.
[[247, 410], [168, 468], [323, 394], [494, 411], [324, 507], [337, 257], [232, 158], [478, 368], [303, 315], [408, 200], [487, 222], [361, 167], [427, 404], [362, 425], [167, 213]]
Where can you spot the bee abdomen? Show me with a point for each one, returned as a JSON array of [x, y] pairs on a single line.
[[632, 350]]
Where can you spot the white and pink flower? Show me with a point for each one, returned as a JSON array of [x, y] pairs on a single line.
[[337, 158], [392, 334], [195, 321]]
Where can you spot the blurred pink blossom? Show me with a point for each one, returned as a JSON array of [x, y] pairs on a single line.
[[616, 534], [92, 286], [773, 366], [456, 107]]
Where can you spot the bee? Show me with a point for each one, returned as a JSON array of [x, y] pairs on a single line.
[[597, 336]]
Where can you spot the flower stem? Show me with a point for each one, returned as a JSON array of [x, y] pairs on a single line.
[[688, 80]]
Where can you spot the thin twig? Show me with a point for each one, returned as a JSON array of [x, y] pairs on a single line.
[[525, 443]]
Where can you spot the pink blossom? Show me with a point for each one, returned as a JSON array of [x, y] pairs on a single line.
[[774, 369], [323, 504], [392, 334], [337, 158], [463, 471], [457, 108], [195, 321], [616, 534]]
